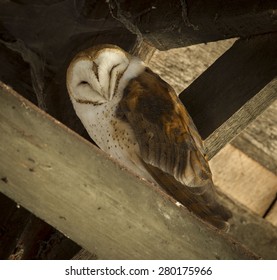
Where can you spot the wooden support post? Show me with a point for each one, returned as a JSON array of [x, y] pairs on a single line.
[[233, 91], [179, 23], [74, 186]]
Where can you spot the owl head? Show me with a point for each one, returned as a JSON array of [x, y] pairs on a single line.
[[99, 74]]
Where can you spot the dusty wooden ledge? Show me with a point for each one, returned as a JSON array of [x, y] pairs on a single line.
[[233, 91], [73, 186]]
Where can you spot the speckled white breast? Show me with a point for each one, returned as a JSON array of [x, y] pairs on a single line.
[[113, 135]]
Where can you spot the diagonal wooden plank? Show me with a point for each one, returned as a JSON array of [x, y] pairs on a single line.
[[233, 91], [75, 187], [259, 139]]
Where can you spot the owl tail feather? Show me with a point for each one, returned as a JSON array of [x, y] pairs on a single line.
[[202, 204]]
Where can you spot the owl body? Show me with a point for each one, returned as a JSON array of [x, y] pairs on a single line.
[[105, 123], [137, 118]]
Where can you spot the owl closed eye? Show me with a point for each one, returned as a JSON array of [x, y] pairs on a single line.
[[153, 135]]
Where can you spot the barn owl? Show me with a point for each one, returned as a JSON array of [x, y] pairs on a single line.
[[137, 118]]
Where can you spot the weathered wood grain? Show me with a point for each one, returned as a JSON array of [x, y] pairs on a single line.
[[259, 139], [233, 91], [237, 122], [259, 235], [180, 67], [250, 229], [243, 179], [251, 186], [75, 187]]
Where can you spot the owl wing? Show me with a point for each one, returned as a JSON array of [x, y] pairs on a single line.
[[171, 148]]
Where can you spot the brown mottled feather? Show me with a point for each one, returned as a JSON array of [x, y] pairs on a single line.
[[170, 145]]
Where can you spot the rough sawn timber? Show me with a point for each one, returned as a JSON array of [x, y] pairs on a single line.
[[68, 182]]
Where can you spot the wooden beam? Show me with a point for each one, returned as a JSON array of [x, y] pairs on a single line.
[[258, 140], [252, 189], [250, 229], [233, 91], [72, 185], [244, 179], [172, 24]]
